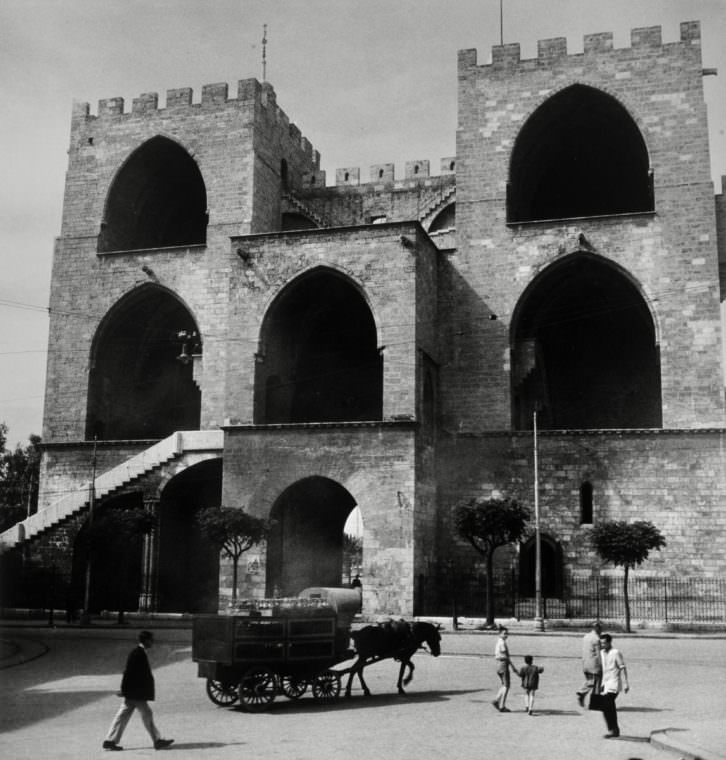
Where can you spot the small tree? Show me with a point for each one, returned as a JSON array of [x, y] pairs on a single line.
[[352, 554], [19, 470], [488, 524], [627, 545], [233, 531]]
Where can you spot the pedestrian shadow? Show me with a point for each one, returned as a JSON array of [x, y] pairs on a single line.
[[203, 745], [644, 709], [546, 711], [635, 739]]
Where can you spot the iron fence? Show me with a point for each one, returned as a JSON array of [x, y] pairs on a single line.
[[661, 599]]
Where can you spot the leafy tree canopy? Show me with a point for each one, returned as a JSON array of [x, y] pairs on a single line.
[[19, 471], [626, 544], [231, 529], [489, 523]]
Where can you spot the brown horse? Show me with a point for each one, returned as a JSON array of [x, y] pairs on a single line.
[[398, 640]]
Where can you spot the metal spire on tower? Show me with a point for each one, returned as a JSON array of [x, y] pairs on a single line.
[[264, 52]]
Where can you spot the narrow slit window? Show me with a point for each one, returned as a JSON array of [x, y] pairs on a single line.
[[586, 503]]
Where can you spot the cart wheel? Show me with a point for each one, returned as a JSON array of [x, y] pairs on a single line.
[[222, 694], [293, 687], [257, 688], [326, 686]]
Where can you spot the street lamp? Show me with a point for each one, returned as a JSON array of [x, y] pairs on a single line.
[[86, 615], [538, 614]]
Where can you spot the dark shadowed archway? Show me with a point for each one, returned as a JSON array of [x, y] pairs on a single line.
[[188, 565], [551, 564], [579, 154], [305, 547], [584, 350], [319, 359], [157, 199], [138, 387]]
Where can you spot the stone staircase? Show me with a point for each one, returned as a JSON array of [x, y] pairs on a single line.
[[161, 453]]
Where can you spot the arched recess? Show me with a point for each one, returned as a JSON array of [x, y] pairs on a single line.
[[138, 386], [116, 558], [157, 199], [319, 360], [444, 220], [579, 154], [551, 564], [305, 545], [584, 350], [188, 564]]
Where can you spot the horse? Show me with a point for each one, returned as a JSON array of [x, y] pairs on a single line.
[[395, 639]]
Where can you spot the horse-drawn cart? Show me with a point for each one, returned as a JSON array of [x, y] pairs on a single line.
[[276, 646]]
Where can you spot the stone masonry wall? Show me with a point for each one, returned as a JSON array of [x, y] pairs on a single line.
[[671, 254], [373, 462], [675, 479]]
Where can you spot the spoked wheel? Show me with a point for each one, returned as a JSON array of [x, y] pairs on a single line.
[[326, 686], [257, 688], [293, 687], [222, 694]]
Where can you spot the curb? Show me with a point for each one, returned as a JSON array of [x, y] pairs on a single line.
[[665, 740]]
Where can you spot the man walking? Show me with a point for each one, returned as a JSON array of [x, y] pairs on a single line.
[[137, 689], [591, 664], [614, 679]]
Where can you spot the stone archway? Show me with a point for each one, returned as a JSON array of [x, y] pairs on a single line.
[[584, 350], [141, 383], [187, 570], [320, 361], [305, 546], [551, 563], [579, 154]]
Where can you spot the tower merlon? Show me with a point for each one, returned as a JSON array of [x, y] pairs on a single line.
[[214, 94], [147, 101], [507, 56]]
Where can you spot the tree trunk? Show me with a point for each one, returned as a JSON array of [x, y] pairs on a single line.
[[235, 562], [490, 589], [626, 599]]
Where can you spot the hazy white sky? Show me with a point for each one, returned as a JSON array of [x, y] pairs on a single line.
[[367, 82]]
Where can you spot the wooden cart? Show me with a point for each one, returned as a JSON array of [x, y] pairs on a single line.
[[276, 646]]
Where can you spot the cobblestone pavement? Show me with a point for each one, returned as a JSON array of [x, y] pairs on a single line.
[[59, 696]]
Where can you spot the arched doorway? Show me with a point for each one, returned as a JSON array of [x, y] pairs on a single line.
[[157, 199], [319, 361], [187, 577], [584, 350], [551, 564], [305, 546], [141, 383], [579, 154]]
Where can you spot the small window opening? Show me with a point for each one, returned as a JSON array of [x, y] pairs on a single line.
[[452, 166], [415, 169], [90, 141], [586, 503], [380, 174], [347, 176]]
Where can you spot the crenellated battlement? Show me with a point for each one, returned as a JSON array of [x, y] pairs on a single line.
[[384, 174], [250, 93], [505, 57]]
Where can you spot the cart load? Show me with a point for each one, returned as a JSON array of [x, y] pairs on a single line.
[[263, 647]]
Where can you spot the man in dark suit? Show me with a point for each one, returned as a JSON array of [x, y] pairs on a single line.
[[137, 689]]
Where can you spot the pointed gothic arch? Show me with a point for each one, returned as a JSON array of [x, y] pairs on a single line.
[[138, 387], [579, 154], [584, 350], [157, 199], [319, 360]]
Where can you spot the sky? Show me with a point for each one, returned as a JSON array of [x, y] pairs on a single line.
[[366, 81]]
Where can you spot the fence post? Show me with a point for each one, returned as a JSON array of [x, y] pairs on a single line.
[[597, 597], [665, 599]]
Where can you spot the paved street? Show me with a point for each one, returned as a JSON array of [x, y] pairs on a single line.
[[59, 701]]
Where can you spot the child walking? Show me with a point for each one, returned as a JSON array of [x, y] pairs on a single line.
[[530, 681]]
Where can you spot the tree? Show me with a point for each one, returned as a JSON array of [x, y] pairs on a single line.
[[488, 524], [233, 531], [111, 538], [19, 470], [626, 545]]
